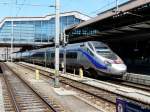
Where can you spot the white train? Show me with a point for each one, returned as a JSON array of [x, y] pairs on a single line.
[[93, 56]]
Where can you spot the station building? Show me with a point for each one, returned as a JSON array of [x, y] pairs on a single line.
[[32, 31]]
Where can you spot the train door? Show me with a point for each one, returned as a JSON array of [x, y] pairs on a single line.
[[71, 59]]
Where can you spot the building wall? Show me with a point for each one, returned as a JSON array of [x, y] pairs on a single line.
[[5, 53], [30, 30]]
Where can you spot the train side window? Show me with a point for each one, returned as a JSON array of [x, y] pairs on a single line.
[[74, 55], [82, 45], [71, 55], [34, 55], [61, 55], [68, 55], [38, 54], [52, 55]]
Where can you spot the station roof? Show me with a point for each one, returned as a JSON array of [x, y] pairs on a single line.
[[132, 18], [47, 17], [77, 14]]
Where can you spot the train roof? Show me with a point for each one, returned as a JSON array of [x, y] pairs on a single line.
[[69, 46]]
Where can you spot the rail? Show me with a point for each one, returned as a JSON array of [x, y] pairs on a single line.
[[46, 73], [50, 106]]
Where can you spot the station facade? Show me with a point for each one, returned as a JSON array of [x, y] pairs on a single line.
[[31, 30]]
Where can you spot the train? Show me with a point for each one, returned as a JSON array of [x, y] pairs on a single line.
[[94, 57]]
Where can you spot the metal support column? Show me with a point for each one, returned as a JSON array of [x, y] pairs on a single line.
[[45, 58], [57, 22], [12, 39], [7, 54], [64, 56], [116, 7]]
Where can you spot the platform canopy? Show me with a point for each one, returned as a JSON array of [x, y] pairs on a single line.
[[131, 21]]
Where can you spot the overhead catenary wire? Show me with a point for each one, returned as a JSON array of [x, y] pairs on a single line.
[[19, 9], [32, 5], [104, 6], [112, 3]]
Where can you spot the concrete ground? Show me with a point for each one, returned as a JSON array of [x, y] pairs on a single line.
[[69, 99]]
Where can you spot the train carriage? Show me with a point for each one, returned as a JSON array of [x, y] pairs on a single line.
[[93, 56]]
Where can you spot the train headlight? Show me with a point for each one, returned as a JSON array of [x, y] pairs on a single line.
[[118, 61], [107, 63]]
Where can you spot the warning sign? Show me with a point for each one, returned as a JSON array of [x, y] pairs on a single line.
[[126, 106]]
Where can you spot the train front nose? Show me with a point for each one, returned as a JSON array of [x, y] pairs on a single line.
[[118, 69]]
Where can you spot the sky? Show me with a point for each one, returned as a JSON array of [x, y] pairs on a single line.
[[41, 7]]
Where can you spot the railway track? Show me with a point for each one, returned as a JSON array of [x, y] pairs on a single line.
[[138, 86], [8, 105], [72, 83], [89, 95], [92, 90], [23, 97]]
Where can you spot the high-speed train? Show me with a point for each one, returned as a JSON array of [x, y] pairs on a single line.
[[93, 56]]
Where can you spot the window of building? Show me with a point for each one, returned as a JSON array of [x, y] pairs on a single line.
[[35, 30]]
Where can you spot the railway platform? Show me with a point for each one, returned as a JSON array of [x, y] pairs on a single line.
[[143, 96], [65, 98], [74, 95]]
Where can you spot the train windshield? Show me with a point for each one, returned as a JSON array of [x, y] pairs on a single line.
[[99, 45], [107, 54], [104, 50]]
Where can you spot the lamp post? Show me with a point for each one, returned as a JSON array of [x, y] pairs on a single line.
[[116, 6], [57, 32]]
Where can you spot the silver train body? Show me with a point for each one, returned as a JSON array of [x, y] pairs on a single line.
[[92, 56]]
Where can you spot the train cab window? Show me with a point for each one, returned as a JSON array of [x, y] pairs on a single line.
[[71, 55], [104, 51], [107, 54], [99, 45]]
